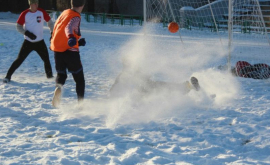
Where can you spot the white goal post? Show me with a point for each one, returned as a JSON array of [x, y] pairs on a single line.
[[235, 22]]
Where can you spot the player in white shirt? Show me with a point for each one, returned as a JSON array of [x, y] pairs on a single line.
[[30, 24]]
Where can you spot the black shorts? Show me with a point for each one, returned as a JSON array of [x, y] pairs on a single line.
[[68, 60]]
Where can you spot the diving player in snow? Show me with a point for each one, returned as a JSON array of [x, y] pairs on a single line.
[[147, 86], [130, 79], [30, 24]]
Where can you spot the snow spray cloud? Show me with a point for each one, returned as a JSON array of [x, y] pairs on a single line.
[[156, 58]]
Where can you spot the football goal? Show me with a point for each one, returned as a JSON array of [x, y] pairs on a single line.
[[235, 24]]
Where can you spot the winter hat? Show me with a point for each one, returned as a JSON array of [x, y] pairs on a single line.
[[32, 1], [77, 3]]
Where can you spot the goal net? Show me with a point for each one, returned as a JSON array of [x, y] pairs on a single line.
[[239, 27]]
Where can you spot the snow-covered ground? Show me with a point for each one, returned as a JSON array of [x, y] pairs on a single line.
[[164, 128]]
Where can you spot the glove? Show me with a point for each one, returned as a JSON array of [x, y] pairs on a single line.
[[72, 41], [82, 42], [30, 35]]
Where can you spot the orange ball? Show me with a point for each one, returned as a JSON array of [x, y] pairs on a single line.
[[173, 27]]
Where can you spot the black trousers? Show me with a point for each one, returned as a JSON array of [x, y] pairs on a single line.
[[71, 61], [27, 47]]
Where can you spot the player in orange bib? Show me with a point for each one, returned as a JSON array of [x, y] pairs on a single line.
[[65, 42]]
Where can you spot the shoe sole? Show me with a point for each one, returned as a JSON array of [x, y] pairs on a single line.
[[57, 97], [6, 81], [194, 81]]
